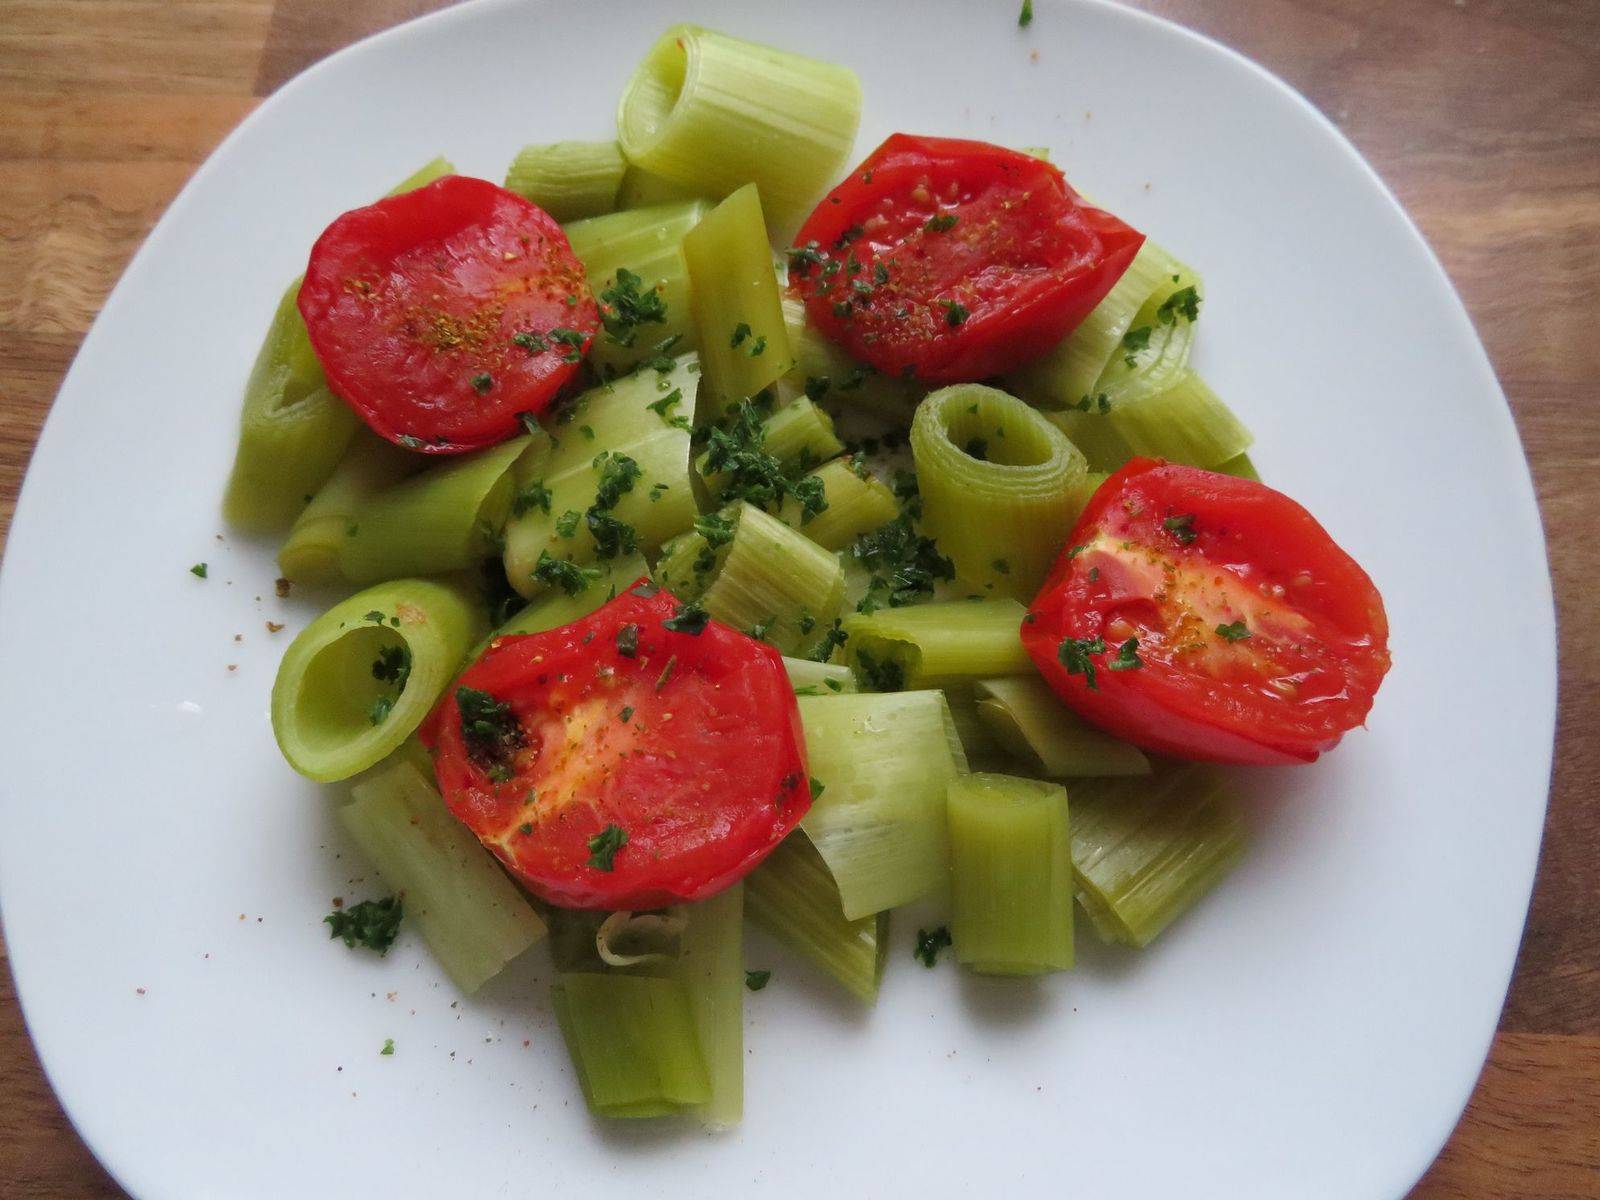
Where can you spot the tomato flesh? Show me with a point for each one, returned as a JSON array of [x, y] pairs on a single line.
[[432, 313], [955, 260], [689, 744], [1258, 639]]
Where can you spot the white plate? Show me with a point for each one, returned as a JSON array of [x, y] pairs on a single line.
[[1313, 1030]]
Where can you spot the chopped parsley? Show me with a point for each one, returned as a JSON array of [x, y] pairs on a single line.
[[832, 638], [567, 522], [664, 406], [954, 313], [1185, 303], [626, 305], [199, 570], [572, 339], [534, 495], [627, 713], [533, 344], [803, 258], [717, 529], [903, 564], [612, 535], [380, 709], [689, 618], [603, 847], [388, 1046], [372, 923], [929, 943], [940, 222], [740, 332], [1025, 17], [880, 675], [1127, 658], [1233, 631], [393, 665], [482, 382], [1074, 653], [490, 730], [1002, 566], [756, 980], [1181, 527], [628, 640], [1133, 342], [563, 573], [817, 788], [1099, 402]]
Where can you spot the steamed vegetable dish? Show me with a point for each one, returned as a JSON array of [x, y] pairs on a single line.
[[722, 528]]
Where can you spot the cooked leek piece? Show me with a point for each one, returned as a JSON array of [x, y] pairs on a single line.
[[1067, 374], [931, 645], [760, 577], [1145, 850], [617, 480], [1155, 350], [983, 750], [293, 431], [713, 112], [882, 762], [1027, 720], [436, 168], [569, 180], [998, 484], [1185, 422], [798, 437], [640, 189], [472, 917], [1239, 465], [854, 503], [830, 376], [649, 245], [632, 1041], [819, 679], [447, 518], [744, 345], [1010, 875], [710, 965], [311, 553], [794, 898], [359, 679]]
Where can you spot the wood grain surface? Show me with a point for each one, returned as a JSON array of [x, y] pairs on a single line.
[[1482, 115]]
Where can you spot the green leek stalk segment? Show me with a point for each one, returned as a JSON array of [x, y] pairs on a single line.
[[1181, 420], [472, 917], [763, 578], [293, 430], [569, 180], [447, 518], [1028, 721], [588, 484], [744, 344], [1145, 850], [855, 503], [633, 1043], [1011, 875], [931, 645], [998, 485], [883, 762], [311, 554], [358, 680], [713, 112], [710, 965], [649, 244], [825, 372], [793, 897], [640, 189]]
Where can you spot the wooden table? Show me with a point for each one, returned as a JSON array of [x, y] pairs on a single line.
[[1483, 115]]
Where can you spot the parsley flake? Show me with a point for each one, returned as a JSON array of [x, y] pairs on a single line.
[[603, 847], [929, 943], [1233, 631], [373, 923]]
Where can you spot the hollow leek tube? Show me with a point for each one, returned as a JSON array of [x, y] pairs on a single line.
[[1145, 850], [472, 917], [1010, 875], [359, 679], [744, 344], [855, 503], [1185, 422], [310, 554], [1066, 374], [1027, 720], [292, 433], [649, 243], [764, 579], [882, 762], [616, 480], [632, 1041], [713, 112], [830, 376], [931, 645], [793, 897], [818, 679], [569, 180], [997, 483], [799, 435], [640, 189], [445, 519], [293, 430], [710, 965]]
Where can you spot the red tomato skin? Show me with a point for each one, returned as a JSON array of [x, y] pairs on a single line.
[[1187, 714], [410, 300], [704, 794], [1026, 258]]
